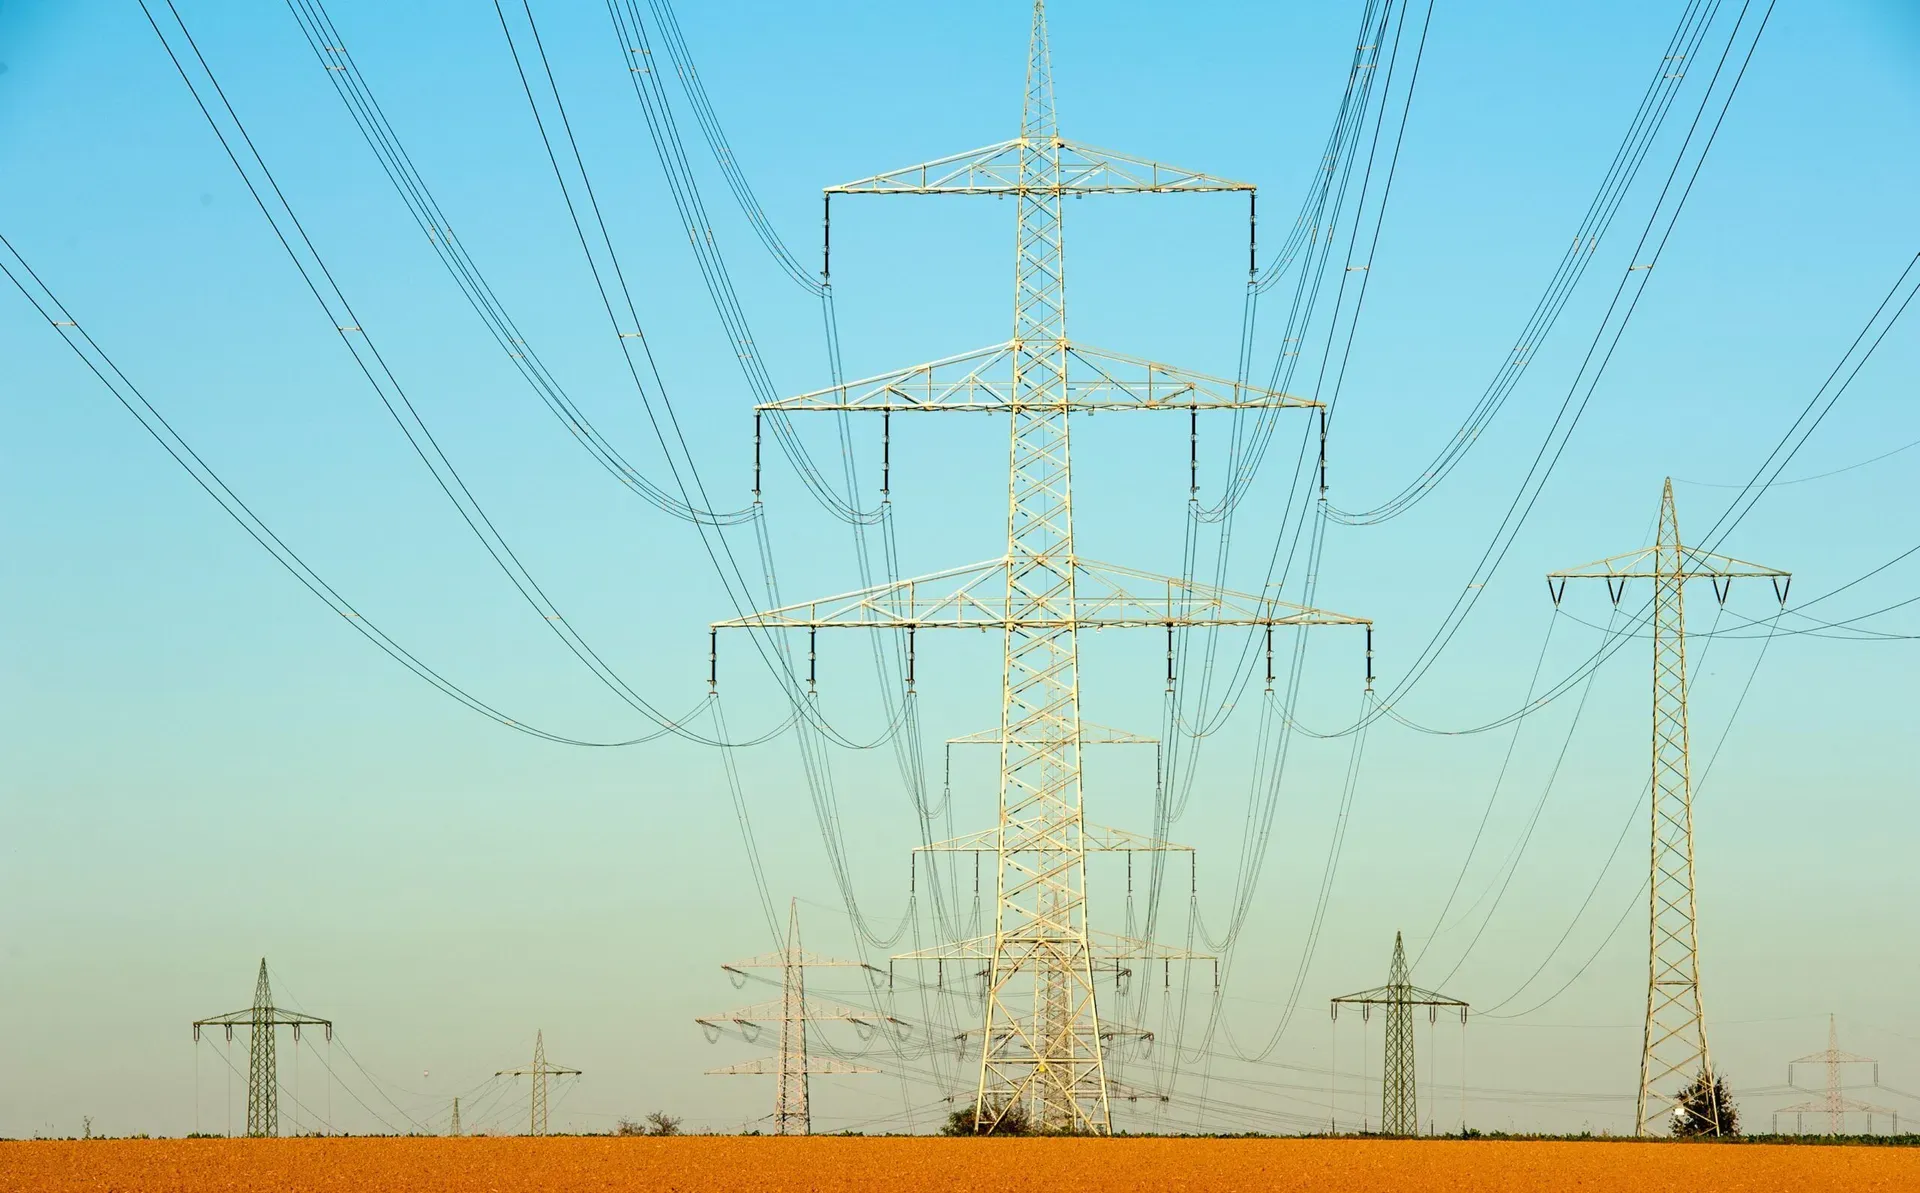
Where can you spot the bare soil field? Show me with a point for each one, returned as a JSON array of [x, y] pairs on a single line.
[[825, 1164]]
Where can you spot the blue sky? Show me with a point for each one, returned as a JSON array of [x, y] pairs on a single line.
[[204, 766]]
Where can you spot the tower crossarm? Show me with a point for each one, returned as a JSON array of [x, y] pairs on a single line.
[[1833, 1056], [1409, 996], [783, 959], [262, 1017], [776, 1010], [1667, 563], [1098, 838], [769, 1066], [975, 597], [983, 381], [1106, 950], [1082, 170]]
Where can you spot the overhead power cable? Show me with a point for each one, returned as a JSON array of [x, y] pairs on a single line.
[[347, 325], [156, 425], [343, 72]]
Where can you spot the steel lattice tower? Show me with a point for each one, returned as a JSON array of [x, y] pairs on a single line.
[[540, 1071], [1041, 1036], [792, 1108], [1836, 1105], [263, 1080], [1674, 1044], [1399, 1093]]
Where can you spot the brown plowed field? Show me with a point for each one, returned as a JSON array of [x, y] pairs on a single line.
[[1097, 1166]]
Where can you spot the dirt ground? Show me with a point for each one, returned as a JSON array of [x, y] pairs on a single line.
[[824, 1164]]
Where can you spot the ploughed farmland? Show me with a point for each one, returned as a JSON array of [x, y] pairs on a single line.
[[924, 1165]]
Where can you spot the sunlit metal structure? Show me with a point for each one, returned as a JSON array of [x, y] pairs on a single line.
[[1836, 1105], [1041, 1050], [792, 1105], [1399, 1091], [263, 1080], [1674, 1044], [541, 1073]]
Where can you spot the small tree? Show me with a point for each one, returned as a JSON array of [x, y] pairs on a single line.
[[662, 1123], [1005, 1117], [1706, 1109]]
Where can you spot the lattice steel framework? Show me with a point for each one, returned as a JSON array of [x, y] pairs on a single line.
[[1674, 1044], [1399, 1094], [1836, 1105], [792, 1109], [263, 1081], [1041, 1039], [541, 1072]]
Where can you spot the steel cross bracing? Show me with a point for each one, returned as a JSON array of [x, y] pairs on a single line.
[[540, 1071], [260, 1020], [1399, 1096], [792, 1111], [1836, 1105], [1674, 1044], [1041, 1038]]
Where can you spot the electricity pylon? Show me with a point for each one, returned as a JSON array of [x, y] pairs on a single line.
[[792, 1113], [1836, 1105], [540, 1071], [263, 1082], [1040, 1040], [453, 1126], [1674, 1044], [1399, 1097]]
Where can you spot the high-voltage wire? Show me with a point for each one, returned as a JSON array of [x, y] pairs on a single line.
[[156, 425], [320, 283], [1635, 147], [330, 49]]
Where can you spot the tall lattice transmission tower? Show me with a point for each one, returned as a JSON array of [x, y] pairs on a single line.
[[1399, 1092], [541, 1073], [792, 1106], [263, 1080], [1836, 1105], [1674, 1044], [1040, 1041]]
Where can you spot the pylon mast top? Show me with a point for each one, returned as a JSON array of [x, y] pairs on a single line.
[[262, 1014]]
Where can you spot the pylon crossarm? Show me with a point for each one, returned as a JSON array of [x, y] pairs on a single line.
[[997, 170], [976, 597], [1649, 563], [265, 1017], [769, 1066], [783, 959], [775, 1010], [1104, 949], [984, 381], [1095, 838], [1413, 996]]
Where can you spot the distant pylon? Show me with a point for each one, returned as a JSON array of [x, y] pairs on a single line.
[[1399, 1096], [260, 1020], [1674, 1044], [453, 1127], [792, 1113], [540, 1071], [1836, 1105]]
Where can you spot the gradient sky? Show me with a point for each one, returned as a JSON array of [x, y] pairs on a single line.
[[202, 766]]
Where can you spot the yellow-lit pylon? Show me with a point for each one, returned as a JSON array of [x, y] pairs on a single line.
[[1041, 1053], [1673, 1051]]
